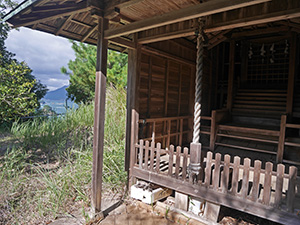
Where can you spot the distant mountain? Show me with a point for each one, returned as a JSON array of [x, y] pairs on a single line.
[[58, 94]]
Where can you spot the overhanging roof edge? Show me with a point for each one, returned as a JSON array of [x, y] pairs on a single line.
[[18, 9]]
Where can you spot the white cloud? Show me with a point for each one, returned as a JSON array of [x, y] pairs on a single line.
[[44, 53]]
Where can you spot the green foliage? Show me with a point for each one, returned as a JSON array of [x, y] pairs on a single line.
[[5, 56], [48, 171], [82, 77], [19, 90], [17, 98], [117, 68]]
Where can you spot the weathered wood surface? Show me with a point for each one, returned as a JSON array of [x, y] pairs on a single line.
[[204, 9], [99, 116], [232, 184]]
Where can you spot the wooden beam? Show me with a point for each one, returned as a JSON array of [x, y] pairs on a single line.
[[269, 30], [100, 92], [254, 20], [167, 36], [192, 12], [167, 55], [167, 32], [123, 42]]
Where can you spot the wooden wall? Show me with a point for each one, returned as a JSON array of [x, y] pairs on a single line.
[[166, 84]]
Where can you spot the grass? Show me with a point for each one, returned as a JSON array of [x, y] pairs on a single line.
[[47, 172]]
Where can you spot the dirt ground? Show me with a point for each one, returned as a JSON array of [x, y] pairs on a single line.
[[136, 213], [130, 212]]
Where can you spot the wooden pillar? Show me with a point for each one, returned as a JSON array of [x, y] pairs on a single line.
[[100, 92], [132, 108], [230, 75], [292, 70], [195, 162]]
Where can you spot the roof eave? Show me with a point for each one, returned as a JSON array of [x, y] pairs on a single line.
[[25, 4]]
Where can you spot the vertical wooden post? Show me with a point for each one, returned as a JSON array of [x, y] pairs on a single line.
[[292, 70], [130, 99], [99, 117], [291, 188], [153, 131], [281, 141], [195, 162], [212, 131], [166, 102], [230, 75], [133, 140], [132, 110]]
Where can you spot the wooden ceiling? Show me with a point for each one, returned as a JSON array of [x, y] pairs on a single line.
[[154, 20]]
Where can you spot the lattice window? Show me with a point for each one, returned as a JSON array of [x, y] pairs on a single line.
[[268, 63]]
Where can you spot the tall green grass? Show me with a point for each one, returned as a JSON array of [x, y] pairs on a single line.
[[48, 171]]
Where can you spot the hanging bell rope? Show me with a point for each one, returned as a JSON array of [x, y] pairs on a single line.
[[199, 75]]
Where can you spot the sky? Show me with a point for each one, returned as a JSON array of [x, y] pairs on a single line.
[[44, 53]]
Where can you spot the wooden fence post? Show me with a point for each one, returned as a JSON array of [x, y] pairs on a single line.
[[133, 141], [291, 188], [212, 131], [281, 141]]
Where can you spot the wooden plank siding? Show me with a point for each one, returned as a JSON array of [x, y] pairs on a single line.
[[164, 89]]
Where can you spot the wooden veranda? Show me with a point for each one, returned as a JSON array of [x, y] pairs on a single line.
[[213, 101]]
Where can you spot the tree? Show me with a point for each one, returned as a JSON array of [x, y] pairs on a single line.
[[82, 77], [4, 29], [19, 90], [17, 98]]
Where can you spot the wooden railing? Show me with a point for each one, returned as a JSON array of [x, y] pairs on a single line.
[[166, 133], [288, 143], [253, 189]]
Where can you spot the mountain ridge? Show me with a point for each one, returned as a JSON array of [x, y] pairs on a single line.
[[58, 94]]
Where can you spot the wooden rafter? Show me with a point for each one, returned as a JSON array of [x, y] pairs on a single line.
[[46, 9], [220, 37], [89, 33], [120, 4], [64, 24], [62, 2], [192, 12], [33, 17], [81, 23]]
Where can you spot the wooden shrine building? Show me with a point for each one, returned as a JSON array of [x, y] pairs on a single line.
[[213, 94]]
